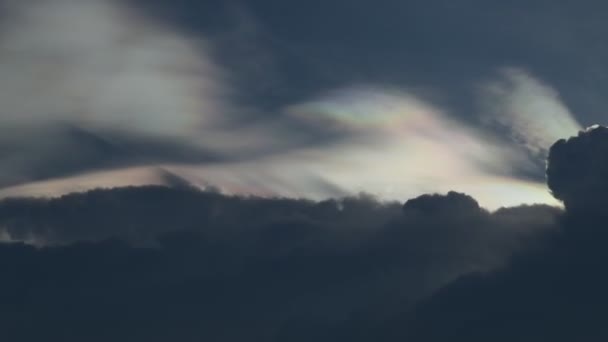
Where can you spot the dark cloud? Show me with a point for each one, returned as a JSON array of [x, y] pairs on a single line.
[[156, 263], [577, 168], [555, 293]]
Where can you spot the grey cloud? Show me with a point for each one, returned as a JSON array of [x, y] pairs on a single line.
[[275, 268], [553, 293], [577, 169]]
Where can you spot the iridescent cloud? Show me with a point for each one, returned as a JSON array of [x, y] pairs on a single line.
[[125, 83], [397, 147]]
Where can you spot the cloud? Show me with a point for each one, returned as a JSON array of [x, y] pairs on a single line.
[[399, 146], [124, 177], [576, 172], [123, 259], [276, 268], [111, 88], [382, 141], [531, 112], [557, 292], [92, 85], [158, 263], [96, 64]]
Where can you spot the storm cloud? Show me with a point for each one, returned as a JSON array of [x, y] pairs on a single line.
[[556, 293], [157, 263]]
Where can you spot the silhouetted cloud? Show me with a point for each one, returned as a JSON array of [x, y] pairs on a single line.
[[201, 265], [577, 169], [554, 293]]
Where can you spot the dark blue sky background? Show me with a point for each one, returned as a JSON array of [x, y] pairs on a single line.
[[442, 47]]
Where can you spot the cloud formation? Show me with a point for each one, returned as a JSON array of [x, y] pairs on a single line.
[[95, 85], [400, 146], [577, 168], [557, 293], [531, 112], [396, 99], [111, 89], [230, 268], [352, 268]]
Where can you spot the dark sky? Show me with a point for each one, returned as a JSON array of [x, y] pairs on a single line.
[[297, 171], [443, 46]]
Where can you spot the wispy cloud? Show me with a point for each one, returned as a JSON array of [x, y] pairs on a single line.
[[92, 84], [93, 91], [531, 112]]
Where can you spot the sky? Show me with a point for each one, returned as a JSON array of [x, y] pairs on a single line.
[[394, 99], [355, 170]]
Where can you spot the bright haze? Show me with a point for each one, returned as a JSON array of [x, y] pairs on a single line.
[[399, 101]]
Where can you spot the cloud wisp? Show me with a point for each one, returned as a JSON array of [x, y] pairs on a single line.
[[531, 112]]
